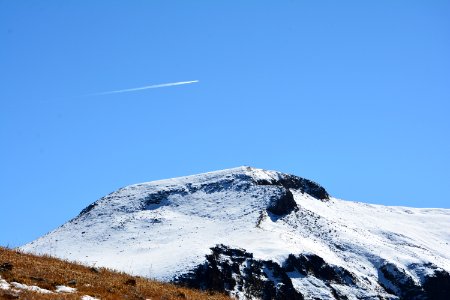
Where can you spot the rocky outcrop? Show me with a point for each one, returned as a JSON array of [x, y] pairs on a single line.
[[282, 202], [237, 272], [434, 286], [437, 285], [397, 282], [314, 265], [297, 183]]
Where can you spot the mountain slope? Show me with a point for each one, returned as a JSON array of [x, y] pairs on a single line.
[[262, 234]]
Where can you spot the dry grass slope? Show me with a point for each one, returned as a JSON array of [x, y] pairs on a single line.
[[48, 272]]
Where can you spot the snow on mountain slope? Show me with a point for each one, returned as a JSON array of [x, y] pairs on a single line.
[[292, 238]]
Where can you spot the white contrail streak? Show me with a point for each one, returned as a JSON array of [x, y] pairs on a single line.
[[154, 86]]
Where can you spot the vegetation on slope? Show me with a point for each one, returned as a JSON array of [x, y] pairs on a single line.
[[47, 273]]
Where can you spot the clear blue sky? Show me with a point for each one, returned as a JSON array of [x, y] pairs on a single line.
[[352, 94]]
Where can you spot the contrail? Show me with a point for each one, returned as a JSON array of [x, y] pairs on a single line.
[[154, 86]]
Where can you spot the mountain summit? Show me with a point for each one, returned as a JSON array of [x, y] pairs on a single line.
[[259, 234]]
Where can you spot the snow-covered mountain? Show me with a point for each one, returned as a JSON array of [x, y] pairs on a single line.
[[260, 234]]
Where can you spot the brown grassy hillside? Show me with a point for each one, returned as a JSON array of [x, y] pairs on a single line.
[[47, 273]]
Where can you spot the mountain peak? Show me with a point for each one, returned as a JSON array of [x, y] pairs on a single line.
[[250, 174], [270, 190]]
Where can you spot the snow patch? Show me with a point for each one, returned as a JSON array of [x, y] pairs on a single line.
[[4, 285], [32, 288], [65, 289]]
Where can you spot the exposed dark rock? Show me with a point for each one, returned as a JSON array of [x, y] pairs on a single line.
[[298, 183], [282, 202], [433, 287], [396, 281], [6, 266], [437, 286], [155, 200], [311, 264], [237, 182], [131, 282], [38, 279], [228, 270], [434, 281], [284, 288], [337, 294], [88, 208], [214, 274], [72, 282]]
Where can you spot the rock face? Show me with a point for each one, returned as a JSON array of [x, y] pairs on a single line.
[[294, 182], [259, 234], [397, 281], [437, 285], [282, 203], [238, 273]]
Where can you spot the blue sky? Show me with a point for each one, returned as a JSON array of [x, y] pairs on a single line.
[[352, 94]]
